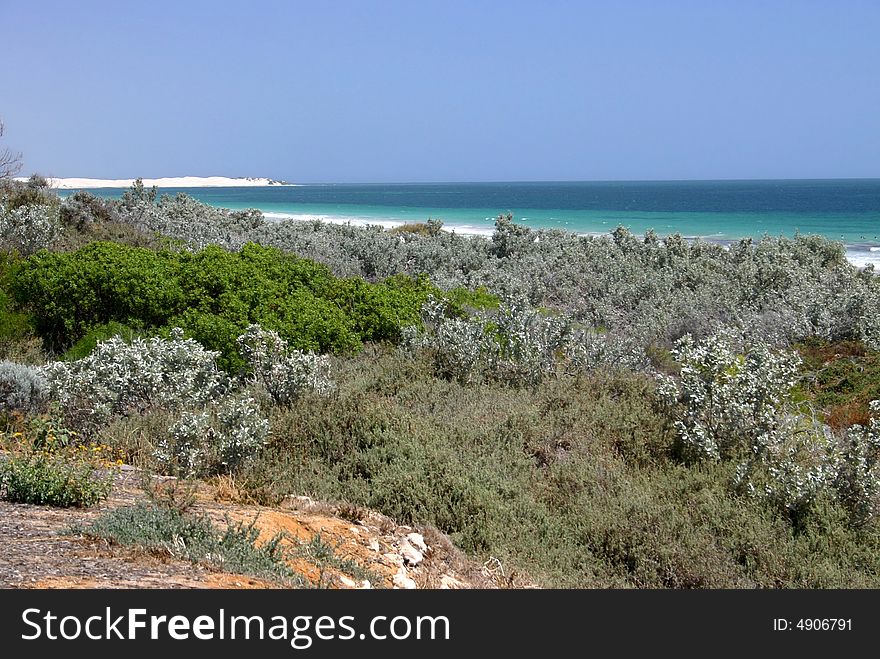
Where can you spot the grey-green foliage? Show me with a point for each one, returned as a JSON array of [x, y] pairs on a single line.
[[194, 538], [123, 378], [217, 427], [186, 219], [734, 401], [517, 344], [219, 437], [285, 373], [218, 424], [22, 387], [29, 228], [858, 477], [726, 396]]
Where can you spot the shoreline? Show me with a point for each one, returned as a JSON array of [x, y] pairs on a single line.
[[858, 255]]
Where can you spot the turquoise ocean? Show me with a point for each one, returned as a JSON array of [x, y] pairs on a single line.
[[847, 210]]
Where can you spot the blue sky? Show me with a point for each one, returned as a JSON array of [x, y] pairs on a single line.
[[443, 91]]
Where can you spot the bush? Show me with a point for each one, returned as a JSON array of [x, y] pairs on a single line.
[[22, 388], [219, 438], [731, 404], [285, 374], [725, 401], [52, 480], [28, 229], [48, 466], [841, 379], [99, 334], [569, 484], [516, 344], [70, 293], [122, 378], [858, 476], [214, 296]]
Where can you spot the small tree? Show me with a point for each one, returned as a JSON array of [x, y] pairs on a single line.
[[10, 161]]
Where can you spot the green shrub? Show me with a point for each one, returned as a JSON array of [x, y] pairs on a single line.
[[460, 300], [98, 334], [69, 293], [573, 483], [214, 295], [52, 480], [48, 465]]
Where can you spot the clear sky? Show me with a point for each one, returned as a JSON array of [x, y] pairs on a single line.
[[443, 91]]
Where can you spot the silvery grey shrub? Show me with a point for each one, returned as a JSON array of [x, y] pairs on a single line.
[[726, 395], [30, 228], [733, 400], [22, 388], [516, 344], [218, 424], [120, 378], [218, 438], [285, 373], [858, 477]]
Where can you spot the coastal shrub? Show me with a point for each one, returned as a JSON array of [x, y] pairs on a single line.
[[791, 469], [83, 209], [516, 344], [285, 374], [857, 480], [15, 194], [732, 402], [727, 399], [217, 438], [28, 229], [69, 293], [14, 325], [22, 388], [47, 480], [49, 465], [119, 378], [214, 295], [86, 218], [96, 335], [654, 289], [568, 484]]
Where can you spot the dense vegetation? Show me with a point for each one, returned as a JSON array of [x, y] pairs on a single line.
[[592, 411], [213, 295]]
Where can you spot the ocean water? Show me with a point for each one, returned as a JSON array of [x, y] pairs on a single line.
[[847, 210]]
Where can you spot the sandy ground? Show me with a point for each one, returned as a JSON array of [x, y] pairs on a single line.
[[38, 550]]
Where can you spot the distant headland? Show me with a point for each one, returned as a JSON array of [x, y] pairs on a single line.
[[166, 182]]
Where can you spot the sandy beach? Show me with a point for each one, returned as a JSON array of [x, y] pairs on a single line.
[[165, 182]]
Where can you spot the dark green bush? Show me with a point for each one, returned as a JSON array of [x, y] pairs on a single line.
[[97, 334], [213, 295]]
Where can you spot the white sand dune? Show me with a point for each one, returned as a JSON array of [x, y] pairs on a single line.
[[167, 182]]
